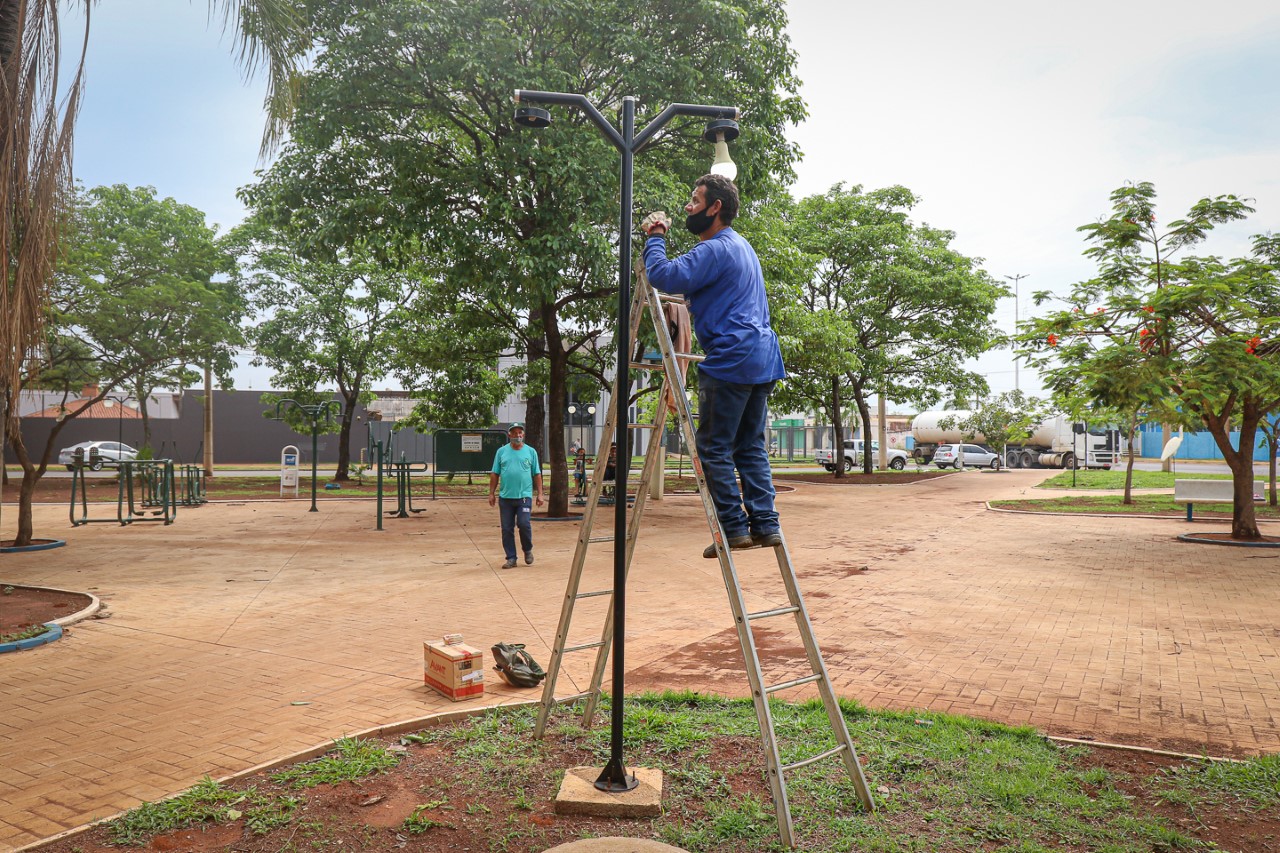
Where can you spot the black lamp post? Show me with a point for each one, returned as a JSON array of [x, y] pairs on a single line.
[[721, 128], [317, 413]]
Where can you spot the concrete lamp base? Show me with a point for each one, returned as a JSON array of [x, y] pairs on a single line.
[[579, 795], [615, 845]]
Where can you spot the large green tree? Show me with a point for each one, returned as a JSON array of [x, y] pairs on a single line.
[[404, 145], [909, 308], [326, 324], [1196, 339], [143, 289]]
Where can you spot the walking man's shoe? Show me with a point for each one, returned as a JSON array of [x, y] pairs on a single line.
[[767, 540], [528, 558], [736, 543], [509, 564]]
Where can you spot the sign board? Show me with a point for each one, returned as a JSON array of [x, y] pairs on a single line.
[[466, 451], [289, 459]]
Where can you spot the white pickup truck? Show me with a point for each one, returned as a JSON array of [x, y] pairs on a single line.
[[853, 455]]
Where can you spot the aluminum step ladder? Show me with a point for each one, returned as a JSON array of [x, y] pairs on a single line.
[[648, 302]]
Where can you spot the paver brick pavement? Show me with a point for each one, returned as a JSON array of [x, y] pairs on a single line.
[[245, 633]]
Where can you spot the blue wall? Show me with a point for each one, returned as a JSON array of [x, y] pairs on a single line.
[[1195, 445]]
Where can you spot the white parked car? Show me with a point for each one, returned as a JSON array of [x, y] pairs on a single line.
[[947, 455], [97, 454], [853, 456]]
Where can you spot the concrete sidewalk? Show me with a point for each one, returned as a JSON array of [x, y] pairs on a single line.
[[1086, 627]]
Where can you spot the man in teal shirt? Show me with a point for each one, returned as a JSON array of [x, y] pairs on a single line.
[[517, 468]]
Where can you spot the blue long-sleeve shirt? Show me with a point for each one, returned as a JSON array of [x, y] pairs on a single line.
[[723, 284]]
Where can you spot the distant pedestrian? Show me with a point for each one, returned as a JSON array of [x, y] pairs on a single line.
[[580, 470], [517, 469]]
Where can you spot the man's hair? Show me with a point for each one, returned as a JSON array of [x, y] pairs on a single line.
[[721, 189]]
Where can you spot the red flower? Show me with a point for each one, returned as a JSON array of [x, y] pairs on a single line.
[[1101, 311], [1148, 309], [1251, 346], [1053, 339], [1144, 333]]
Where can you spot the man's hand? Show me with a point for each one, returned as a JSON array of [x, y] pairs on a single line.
[[656, 224], [538, 499], [493, 499]]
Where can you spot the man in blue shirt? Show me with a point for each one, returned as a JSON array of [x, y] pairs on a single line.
[[724, 287], [516, 467]]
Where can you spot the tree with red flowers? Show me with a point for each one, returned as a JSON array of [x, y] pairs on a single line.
[[1186, 340]]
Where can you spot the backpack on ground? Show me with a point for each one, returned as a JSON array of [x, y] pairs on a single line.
[[516, 666]]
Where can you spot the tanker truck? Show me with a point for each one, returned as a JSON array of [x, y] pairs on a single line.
[[1055, 442]]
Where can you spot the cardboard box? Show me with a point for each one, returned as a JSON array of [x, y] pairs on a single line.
[[455, 670]]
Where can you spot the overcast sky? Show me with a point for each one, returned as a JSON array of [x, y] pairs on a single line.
[[1013, 121]]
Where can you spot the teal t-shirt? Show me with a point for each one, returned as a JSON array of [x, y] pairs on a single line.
[[516, 470]]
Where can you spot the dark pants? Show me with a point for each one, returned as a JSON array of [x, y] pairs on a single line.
[[516, 512], [731, 424]]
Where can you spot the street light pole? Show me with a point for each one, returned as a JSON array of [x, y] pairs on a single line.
[[1015, 279], [723, 127], [317, 413]]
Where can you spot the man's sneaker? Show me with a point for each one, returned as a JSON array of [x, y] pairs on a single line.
[[509, 564], [767, 540], [736, 543], [528, 558]]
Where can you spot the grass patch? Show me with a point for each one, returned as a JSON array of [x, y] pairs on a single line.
[[1253, 784], [1114, 479], [941, 782], [206, 802], [24, 634], [352, 759], [1142, 505]]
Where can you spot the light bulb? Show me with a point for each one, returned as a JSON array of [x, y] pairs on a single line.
[[723, 164]]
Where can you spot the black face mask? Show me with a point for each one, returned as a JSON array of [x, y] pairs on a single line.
[[700, 221]]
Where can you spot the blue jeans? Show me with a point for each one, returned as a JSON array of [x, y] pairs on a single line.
[[516, 512], [731, 424]]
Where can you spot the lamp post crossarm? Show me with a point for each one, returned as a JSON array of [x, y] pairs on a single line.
[[673, 110], [579, 101]]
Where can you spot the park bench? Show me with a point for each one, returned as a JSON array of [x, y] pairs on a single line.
[[1193, 492]]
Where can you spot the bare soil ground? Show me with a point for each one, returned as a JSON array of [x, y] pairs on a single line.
[[23, 607]]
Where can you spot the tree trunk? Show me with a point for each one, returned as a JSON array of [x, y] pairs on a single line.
[[1244, 523], [558, 490], [1166, 433], [837, 428], [1128, 468], [349, 401], [864, 414], [146, 420], [26, 493], [535, 411], [208, 421]]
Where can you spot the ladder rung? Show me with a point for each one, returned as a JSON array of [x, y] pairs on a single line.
[[646, 365], [787, 768], [808, 679], [574, 698], [639, 426], [764, 614], [594, 594], [605, 538], [691, 356], [597, 644], [666, 297]]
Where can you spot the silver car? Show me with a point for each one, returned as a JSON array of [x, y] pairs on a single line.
[[946, 456], [96, 454]]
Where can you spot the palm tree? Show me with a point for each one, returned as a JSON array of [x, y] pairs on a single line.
[[37, 120]]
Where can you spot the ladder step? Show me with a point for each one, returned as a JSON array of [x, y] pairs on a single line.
[[764, 614], [666, 297], [597, 644], [639, 426], [563, 700], [787, 768], [808, 679], [604, 538], [594, 594]]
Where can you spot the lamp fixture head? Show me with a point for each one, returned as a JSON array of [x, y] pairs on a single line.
[[534, 117], [720, 133]]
